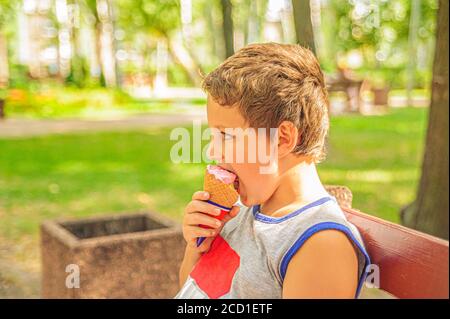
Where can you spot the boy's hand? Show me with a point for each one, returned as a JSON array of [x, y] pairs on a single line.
[[200, 212]]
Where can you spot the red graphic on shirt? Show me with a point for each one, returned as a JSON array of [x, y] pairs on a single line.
[[215, 270]]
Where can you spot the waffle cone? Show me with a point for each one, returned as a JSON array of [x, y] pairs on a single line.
[[220, 193]]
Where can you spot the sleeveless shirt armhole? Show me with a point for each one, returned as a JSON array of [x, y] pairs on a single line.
[[319, 227]]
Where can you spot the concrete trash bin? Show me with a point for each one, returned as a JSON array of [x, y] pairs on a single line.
[[119, 256]]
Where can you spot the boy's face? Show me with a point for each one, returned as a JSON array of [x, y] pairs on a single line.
[[238, 151]]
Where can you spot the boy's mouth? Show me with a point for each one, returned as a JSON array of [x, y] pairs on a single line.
[[236, 184], [236, 181]]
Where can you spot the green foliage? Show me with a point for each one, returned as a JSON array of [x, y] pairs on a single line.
[[177, 77], [376, 29], [384, 24], [79, 72], [8, 9], [54, 101], [379, 30], [19, 77], [3, 93], [155, 17]]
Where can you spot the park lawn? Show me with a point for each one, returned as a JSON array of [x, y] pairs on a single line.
[[85, 174]]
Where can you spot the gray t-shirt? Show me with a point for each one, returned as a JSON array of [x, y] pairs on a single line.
[[250, 256]]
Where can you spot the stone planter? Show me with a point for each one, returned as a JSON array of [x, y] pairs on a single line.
[[120, 256]]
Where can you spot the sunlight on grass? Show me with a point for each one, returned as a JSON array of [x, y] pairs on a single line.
[[370, 176]]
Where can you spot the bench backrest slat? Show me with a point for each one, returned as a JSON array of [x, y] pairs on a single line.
[[412, 264]]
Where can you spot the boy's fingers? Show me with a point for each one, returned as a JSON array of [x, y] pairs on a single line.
[[200, 195], [193, 242], [231, 214], [205, 245], [234, 211], [197, 231], [199, 218], [203, 207]]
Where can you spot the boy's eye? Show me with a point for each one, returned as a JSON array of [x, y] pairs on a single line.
[[227, 136]]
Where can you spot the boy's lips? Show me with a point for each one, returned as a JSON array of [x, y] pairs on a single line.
[[236, 184], [236, 181]]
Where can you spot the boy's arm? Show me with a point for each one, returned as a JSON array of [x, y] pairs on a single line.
[[326, 266], [191, 256]]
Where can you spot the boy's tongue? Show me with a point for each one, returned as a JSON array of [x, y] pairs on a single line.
[[221, 174]]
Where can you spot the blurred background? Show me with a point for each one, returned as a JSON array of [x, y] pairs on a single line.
[[90, 90]]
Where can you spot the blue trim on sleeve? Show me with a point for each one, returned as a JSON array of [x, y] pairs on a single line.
[[275, 220], [218, 205], [311, 231]]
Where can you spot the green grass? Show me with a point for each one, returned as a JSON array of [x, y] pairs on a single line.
[[378, 158], [78, 175]]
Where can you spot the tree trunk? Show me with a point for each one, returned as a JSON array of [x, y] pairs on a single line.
[[105, 34], [4, 65], [429, 212], [77, 61], [34, 42], [4, 71], [160, 80], [98, 53], [414, 21], [2, 108], [227, 21], [303, 24], [182, 57], [215, 44], [253, 26], [113, 17]]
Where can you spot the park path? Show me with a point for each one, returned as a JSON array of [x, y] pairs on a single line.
[[10, 128]]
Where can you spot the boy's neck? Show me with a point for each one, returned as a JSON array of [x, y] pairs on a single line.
[[298, 186]]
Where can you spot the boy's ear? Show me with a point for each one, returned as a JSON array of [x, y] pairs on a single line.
[[287, 138]]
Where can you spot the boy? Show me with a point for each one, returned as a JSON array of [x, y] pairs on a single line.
[[290, 238]]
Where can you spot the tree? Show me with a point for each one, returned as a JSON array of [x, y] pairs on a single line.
[[6, 13], [412, 48], [303, 24], [429, 212], [91, 6], [160, 21], [379, 32], [227, 21]]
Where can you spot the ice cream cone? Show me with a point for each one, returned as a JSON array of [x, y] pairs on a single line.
[[219, 184], [220, 193]]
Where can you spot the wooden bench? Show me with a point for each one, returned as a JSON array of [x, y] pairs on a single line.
[[412, 264]]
